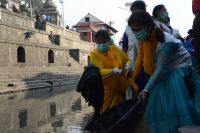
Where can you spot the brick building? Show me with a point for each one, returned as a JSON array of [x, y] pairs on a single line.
[[89, 25]]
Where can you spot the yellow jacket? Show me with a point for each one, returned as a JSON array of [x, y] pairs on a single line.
[[113, 91]]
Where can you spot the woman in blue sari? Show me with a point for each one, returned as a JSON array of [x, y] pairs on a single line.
[[173, 90]]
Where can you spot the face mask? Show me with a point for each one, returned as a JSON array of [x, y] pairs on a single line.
[[103, 47], [141, 35], [164, 17]]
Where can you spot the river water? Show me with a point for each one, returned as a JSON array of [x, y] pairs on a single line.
[[52, 110]]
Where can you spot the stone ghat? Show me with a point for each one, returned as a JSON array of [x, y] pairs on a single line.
[[15, 79], [38, 50], [36, 63]]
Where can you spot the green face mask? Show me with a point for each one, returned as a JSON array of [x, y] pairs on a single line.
[[141, 35], [104, 47], [164, 17]]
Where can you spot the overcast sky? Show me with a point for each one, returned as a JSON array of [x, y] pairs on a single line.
[[180, 12]]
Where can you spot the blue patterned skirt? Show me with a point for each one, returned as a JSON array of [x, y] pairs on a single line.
[[170, 106]]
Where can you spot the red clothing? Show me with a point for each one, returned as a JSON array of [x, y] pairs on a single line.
[[196, 6]]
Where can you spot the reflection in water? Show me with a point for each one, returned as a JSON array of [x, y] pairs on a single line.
[[53, 109], [22, 118], [42, 111], [57, 123], [76, 106]]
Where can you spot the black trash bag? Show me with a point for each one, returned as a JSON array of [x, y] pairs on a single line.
[[118, 119], [91, 88], [121, 118]]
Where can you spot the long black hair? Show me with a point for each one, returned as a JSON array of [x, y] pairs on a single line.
[[157, 10], [144, 19], [104, 34], [138, 4]]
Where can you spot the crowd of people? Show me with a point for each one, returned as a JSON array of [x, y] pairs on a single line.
[[155, 61]]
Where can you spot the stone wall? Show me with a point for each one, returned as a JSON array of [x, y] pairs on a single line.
[[13, 26]]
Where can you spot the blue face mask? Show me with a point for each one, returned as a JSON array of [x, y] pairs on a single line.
[[141, 35], [103, 47], [164, 17]]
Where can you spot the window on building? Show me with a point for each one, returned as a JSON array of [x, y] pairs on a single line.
[[20, 54], [50, 56], [93, 36], [87, 19], [85, 33]]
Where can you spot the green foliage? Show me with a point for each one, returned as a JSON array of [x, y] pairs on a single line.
[[36, 6]]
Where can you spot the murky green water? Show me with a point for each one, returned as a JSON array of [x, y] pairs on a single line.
[[56, 110]]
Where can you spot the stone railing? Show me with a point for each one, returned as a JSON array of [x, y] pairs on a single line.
[[15, 19], [13, 26]]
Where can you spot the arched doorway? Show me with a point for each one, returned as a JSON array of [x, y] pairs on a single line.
[[21, 54], [50, 56], [88, 59]]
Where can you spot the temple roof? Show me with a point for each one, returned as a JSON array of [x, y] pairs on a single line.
[[94, 22], [49, 4], [16, 1]]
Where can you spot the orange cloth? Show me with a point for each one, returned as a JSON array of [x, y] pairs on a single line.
[[106, 62], [145, 56]]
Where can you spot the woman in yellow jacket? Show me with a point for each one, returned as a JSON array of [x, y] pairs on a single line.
[[111, 61]]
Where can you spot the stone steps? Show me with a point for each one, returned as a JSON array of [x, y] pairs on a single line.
[[72, 61], [37, 84], [17, 88], [76, 64], [24, 74], [14, 79], [53, 80], [38, 70], [41, 77], [39, 80], [24, 71], [8, 90], [28, 76]]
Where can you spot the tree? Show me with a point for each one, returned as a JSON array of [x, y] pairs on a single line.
[[36, 6]]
